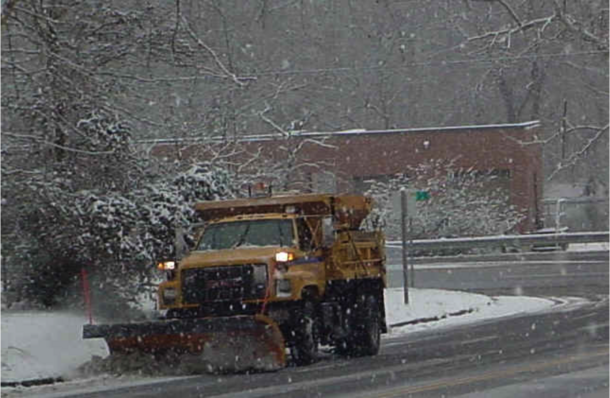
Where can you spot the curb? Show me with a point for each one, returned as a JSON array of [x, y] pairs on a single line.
[[432, 319], [32, 382]]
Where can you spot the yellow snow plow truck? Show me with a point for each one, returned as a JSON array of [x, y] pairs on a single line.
[[267, 274]]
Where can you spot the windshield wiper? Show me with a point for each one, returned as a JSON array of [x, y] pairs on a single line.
[[242, 238], [279, 229]]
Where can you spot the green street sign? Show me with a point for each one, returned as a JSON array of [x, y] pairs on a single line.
[[422, 195]]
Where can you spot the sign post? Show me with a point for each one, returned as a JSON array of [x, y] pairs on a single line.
[[406, 204], [403, 223]]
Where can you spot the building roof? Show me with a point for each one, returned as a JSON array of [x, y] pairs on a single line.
[[354, 132]]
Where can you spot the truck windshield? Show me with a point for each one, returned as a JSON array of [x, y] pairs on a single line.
[[247, 233]]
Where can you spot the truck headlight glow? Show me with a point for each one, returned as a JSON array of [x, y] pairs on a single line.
[[166, 265], [284, 257]]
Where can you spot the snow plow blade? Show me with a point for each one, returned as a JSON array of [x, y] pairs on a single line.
[[222, 344]]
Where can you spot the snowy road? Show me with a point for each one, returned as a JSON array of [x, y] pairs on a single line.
[[505, 343], [39, 345], [505, 354]]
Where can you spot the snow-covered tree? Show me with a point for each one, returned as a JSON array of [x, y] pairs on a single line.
[[462, 202], [116, 235], [546, 60]]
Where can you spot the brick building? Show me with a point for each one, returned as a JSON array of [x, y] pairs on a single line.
[[351, 158]]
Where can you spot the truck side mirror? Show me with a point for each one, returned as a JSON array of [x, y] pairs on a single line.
[[328, 232]]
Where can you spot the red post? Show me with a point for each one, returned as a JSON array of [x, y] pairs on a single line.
[[268, 291], [87, 294]]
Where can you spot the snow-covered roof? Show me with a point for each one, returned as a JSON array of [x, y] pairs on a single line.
[[353, 132]]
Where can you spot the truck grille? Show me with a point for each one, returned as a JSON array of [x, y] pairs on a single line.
[[227, 283]]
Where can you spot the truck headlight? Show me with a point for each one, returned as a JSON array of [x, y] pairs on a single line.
[[284, 257], [166, 265]]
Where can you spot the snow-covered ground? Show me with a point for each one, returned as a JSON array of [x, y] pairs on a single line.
[[434, 308], [587, 247], [38, 345]]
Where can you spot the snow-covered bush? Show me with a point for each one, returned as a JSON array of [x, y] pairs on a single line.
[[117, 236], [461, 202], [103, 207]]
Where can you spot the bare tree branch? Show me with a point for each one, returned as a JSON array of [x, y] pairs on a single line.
[[508, 8], [51, 144], [578, 27], [7, 7], [576, 156], [237, 80], [270, 122], [543, 22]]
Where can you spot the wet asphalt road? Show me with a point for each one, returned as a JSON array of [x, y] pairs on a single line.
[[531, 274]]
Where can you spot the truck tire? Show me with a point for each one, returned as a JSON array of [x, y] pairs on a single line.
[[367, 334], [304, 349]]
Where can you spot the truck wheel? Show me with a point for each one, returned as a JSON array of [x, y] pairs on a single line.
[[367, 336], [305, 347]]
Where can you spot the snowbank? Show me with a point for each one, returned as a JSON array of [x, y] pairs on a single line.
[[587, 247], [433, 308], [41, 345]]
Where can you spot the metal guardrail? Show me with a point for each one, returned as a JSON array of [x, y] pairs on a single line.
[[505, 241]]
